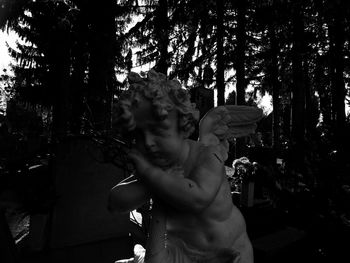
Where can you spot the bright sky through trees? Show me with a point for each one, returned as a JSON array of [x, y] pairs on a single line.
[[5, 61], [5, 58]]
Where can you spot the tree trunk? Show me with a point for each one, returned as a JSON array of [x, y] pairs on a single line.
[[240, 68], [298, 95], [241, 44], [323, 92], [77, 85], [336, 34], [311, 107], [101, 66], [59, 57], [220, 66], [276, 87], [204, 41], [162, 34]]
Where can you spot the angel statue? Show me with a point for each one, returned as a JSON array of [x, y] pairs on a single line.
[[193, 218]]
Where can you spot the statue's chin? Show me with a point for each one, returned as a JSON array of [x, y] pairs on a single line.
[[161, 162]]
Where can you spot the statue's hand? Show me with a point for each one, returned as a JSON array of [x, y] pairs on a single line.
[[142, 166]]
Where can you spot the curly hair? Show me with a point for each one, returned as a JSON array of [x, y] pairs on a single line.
[[164, 95]]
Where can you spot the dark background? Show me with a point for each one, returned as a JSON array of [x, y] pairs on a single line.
[[58, 149]]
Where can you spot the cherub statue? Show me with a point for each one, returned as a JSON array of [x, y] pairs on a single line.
[[193, 217]]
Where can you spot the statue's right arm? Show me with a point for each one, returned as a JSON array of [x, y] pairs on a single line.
[[128, 195]]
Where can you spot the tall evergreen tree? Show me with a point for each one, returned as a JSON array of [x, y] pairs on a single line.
[[276, 86], [337, 41], [240, 51], [162, 33], [220, 62], [102, 42], [298, 87]]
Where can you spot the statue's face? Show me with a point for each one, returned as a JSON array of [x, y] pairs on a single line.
[[160, 141]]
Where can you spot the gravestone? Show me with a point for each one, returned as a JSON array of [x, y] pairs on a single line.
[[80, 217]]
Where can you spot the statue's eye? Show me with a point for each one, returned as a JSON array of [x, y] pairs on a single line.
[[158, 130]]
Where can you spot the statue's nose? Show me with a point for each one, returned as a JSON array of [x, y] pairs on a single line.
[[149, 141]]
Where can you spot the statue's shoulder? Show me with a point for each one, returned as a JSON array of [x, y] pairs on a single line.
[[202, 156], [200, 152]]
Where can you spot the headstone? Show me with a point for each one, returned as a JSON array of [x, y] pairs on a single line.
[[82, 182]]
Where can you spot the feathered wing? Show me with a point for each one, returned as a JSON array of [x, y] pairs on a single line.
[[223, 123]]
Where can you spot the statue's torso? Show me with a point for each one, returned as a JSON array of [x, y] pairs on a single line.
[[218, 226]]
